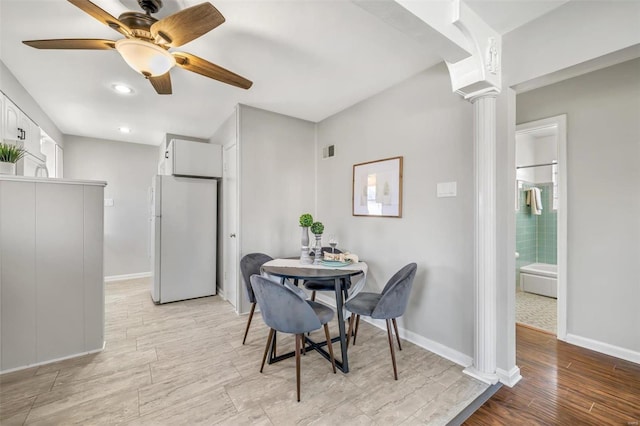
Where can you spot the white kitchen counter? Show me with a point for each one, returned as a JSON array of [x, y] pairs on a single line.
[[51, 180], [51, 270]]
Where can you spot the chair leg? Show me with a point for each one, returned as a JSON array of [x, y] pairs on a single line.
[[303, 343], [246, 331], [266, 349], [393, 354], [298, 338], [330, 346], [355, 333], [395, 329], [313, 296], [351, 317], [273, 348]]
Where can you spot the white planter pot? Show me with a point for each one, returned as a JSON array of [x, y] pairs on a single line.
[[7, 168]]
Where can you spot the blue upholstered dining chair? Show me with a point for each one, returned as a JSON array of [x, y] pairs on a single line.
[[284, 311], [388, 305], [250, 265]]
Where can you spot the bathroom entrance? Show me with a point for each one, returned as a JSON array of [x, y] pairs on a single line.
[[541, 225]]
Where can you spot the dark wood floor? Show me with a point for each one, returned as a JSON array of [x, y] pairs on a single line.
[[563, 384]]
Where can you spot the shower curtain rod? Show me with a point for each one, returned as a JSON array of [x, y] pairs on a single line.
[[537, 165]]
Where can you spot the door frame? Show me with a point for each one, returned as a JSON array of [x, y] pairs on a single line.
[[560, 122], [225, 231]]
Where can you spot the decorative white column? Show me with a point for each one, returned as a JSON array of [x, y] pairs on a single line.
[[485, 324]]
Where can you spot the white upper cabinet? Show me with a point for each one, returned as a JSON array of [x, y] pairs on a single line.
[[18, 127], [10, 118], [1, 118], [30, 135]]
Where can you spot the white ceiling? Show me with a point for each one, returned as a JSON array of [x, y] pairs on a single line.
[[307, 59], [506, 15]]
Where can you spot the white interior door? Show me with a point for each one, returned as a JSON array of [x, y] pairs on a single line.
[[231, 281]]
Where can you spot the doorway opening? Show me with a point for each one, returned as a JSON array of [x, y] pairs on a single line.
[[541, 231]]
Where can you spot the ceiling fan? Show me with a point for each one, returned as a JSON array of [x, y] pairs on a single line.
[[147, 42]]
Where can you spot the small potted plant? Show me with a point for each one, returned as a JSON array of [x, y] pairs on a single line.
[[317, 228], [9, 156], [306, 220]]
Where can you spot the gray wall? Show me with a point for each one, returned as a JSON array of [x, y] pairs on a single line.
[[277, 182], [421, 120], [128, 169], [603, 145], [23, 100]]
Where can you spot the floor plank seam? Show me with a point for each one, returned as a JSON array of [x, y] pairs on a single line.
[[176, 356]]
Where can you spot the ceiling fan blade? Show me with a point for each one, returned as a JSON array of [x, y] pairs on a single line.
[[72, 43], [162, 83], [186, 25], [101, 16], [198, 65]]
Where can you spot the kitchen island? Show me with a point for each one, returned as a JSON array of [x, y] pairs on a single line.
[[51, 270]]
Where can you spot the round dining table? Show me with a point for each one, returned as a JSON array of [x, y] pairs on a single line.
[[341, 277]]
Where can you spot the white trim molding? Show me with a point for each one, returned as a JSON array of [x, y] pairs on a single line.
[[509, 378], [560, 124], [425, 343], [112, 278], [605, 348], [51, 361], [430, 345]]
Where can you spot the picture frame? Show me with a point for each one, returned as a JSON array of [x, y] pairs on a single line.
[[377, 188]]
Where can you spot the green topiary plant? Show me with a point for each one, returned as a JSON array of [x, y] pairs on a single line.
[[317, 228], [306, 220], [11, 153]]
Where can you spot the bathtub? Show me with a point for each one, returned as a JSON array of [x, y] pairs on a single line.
[[540, 278]]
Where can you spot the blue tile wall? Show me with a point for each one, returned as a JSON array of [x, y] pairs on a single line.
[[536, 236]]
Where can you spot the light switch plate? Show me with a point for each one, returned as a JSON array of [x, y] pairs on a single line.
[[447, 189], [108, 202]]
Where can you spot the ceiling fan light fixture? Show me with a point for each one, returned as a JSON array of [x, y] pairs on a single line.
[[146, 58]]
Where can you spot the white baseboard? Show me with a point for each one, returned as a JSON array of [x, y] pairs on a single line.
[[220, 292], [605, 348], [509, 378], [425, 343], [38, 364], [112, 278]]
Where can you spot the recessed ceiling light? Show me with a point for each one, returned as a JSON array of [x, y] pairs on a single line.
[[125, 130], [122, 88]]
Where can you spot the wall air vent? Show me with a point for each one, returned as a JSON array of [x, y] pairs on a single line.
[[329, 151]]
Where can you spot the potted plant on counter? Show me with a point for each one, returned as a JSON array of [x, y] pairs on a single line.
[[306, 220], [317, 228], [9, 155]]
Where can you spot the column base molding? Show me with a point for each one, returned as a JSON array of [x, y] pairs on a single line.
[[509, 378], [489, 378]]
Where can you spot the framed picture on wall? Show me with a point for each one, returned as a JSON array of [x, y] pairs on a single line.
[[377, 188]]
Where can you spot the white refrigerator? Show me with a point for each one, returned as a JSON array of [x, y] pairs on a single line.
[[183, 238]]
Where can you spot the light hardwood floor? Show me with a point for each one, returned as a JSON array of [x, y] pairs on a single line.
[[184, 363]]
